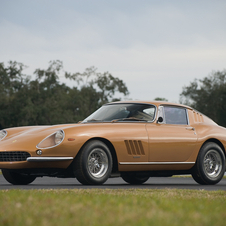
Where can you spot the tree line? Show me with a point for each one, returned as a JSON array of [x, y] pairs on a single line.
[[208, 95], [45, 101]]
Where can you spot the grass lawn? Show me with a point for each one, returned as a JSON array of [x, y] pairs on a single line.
[[112, 207]]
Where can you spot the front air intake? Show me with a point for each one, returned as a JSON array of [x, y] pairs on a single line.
[[14, 156]]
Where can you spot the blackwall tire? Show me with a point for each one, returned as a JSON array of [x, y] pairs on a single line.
[[134, 178], [197, 178], [210, 165], [17, 178], [93, 165]]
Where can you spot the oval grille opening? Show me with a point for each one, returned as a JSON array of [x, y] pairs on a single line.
[[14, 156]]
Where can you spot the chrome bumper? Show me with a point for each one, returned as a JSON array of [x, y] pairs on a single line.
[[48, 159]]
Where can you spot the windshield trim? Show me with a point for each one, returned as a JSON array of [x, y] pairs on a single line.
[[154, 118]]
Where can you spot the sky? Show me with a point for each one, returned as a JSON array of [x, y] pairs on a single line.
[[155, 46]]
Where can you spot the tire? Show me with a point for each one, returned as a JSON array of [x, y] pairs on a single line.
[[93, 165], [17, 178], [134, 178], [197, 178], [210, 165]]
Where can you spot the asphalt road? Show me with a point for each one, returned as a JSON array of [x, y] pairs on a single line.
[[115, 183]]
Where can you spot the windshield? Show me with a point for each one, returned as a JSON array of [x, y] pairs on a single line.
[[123, 112]]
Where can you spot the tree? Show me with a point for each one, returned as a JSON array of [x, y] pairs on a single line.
[[12, 81], [208, 96], [105, 84], [160, 99], [45, 100], [95, 89]]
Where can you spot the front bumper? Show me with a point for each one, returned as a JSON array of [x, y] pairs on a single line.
[[38, 162], [48, 159]]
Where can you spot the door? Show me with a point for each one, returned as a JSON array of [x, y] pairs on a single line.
[[172, 140]]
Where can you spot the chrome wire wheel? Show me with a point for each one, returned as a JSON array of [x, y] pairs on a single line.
[[94, 163], [212, 164], [97, 163]]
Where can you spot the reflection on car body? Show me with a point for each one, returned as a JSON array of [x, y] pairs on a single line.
[[134, 139]]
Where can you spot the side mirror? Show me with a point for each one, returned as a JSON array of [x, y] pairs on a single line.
[[160, 120]]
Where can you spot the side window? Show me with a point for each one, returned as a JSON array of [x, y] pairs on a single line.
[[144, 112], [150, 113], [175, 115]]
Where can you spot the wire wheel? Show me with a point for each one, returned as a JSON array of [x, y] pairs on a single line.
[[93, 165], [212, 164], [97, 163]]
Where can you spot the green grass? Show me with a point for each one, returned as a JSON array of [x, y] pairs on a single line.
[[99, 207]]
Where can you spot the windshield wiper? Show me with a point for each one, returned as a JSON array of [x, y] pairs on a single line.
[[94, 120], [129, 119]]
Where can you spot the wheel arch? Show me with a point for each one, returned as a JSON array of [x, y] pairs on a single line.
[[216, 141], [111, 148]]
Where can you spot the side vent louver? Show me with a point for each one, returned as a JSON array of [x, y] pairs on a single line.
[[134, 147], [198, 117]]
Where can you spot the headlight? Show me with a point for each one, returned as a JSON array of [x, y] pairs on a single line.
[[52, 140], [3, 134], [59, 136]]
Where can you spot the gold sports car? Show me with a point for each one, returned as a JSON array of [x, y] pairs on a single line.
[[134, 139]]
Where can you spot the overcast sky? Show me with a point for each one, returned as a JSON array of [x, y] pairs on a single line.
[[156, 47]]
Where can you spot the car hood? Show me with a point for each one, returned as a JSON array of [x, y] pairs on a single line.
[[28, 137]]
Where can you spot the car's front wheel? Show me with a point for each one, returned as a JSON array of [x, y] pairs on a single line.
[[134, 178], [93, 165], [17, 178], [210, 164]]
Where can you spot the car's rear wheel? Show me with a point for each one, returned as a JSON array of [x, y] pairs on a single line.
[[93, 165], [17, 178], [210, 165], [134, 178]]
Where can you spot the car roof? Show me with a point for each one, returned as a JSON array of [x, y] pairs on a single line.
[[156, 103]]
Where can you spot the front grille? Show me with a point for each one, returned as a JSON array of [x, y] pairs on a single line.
[[14, 156]]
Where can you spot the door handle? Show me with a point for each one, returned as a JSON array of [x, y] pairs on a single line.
[[190, 128]]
